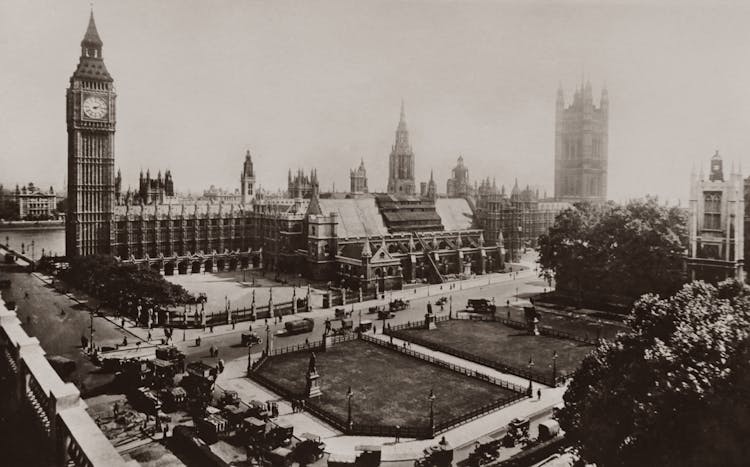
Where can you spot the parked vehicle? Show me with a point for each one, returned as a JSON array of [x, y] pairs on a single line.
[[548, 429], [364, 325], [250, 338], [480, 305], [309, 449], [398, 305], [517, 432], [439, 455], [385, 314], [341, 313], [299, 326], [485, 451], [441, 301]]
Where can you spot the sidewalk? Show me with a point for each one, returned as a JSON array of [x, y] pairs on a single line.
[[189, 335]]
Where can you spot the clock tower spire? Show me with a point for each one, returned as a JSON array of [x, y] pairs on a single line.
[[90, 116]]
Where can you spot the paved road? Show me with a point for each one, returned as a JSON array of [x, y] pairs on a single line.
[[58, 323], [60, 333], [229, 343]]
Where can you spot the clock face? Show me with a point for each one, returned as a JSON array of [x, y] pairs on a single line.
[[94, 107]]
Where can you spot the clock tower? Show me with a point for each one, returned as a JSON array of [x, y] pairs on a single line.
[[90, 102]]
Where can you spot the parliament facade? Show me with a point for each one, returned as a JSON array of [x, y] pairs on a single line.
[[356, 240]]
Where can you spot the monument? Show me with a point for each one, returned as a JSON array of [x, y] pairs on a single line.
[[430, 322], [312, 388]]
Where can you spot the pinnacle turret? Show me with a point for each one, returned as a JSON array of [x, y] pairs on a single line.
[[92, 35]]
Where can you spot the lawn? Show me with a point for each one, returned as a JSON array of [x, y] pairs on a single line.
[[389, 388], [572, 323], [497, 342]]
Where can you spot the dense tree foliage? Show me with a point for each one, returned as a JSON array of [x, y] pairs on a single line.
[[117, 283], [675, 391], [616, 250], [8, 210]]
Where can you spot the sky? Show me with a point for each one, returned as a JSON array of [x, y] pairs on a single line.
[[319, 84]]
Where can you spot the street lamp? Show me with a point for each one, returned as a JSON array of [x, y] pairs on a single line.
[[349, 395], [554, 369], [530, 365], [432, 398]]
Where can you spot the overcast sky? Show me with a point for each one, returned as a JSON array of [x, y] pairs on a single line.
[[318, 84]]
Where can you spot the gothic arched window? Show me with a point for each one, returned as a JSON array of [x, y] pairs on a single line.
[[712, 210]]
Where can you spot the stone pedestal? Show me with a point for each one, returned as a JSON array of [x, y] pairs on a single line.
[[312, 388], [429, 322]]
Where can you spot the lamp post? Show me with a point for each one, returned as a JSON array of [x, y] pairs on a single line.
[[450, 307], [432, 398], [530, 391], [349, 395], [554, 369]]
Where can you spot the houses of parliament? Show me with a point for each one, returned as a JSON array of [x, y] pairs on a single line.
[[355, 239]]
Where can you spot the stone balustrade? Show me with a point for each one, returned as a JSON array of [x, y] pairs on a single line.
[[62, 427]]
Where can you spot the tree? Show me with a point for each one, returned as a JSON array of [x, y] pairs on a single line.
[[673, 392], [110, 280], [616, 250]]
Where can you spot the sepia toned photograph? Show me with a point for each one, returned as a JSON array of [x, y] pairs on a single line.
[[397, 233]]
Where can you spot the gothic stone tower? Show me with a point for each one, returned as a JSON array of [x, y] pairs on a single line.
[[358, 179], [581, 135], [91, 133], [401, 162], [248, 179]]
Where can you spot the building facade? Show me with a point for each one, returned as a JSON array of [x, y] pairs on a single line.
[[90, 116], [518, 219], [360, 241], [358, 179], [401, 161], [247, 180], [35, 203], [458, 185], [581, 147], [716, 224], [301, 185]]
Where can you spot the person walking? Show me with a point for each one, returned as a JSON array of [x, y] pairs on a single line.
[[538, 394]]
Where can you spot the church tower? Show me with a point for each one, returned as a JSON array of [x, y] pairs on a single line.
[[358, 179], [401, 162], [248, 180], [581, 147], [90, 119]]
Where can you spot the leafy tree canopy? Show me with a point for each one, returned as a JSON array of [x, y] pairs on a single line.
[[675, 391], [114, 282], [621, 250]]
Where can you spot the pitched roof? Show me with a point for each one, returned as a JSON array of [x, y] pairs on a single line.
[[92, 35]]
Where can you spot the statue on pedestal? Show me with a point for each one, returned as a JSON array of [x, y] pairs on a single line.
[[312, 389]]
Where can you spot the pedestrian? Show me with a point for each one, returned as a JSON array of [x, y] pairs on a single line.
[[148, 338], [116, 409], [212, 328], [125, 341], [538, 394], [84, 342], [166, 429], [122, 323], [198, 341]]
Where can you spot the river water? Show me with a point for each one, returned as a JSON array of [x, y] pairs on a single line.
[[33, 240]]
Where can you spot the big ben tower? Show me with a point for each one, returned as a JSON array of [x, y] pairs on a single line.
[[91, 133]]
